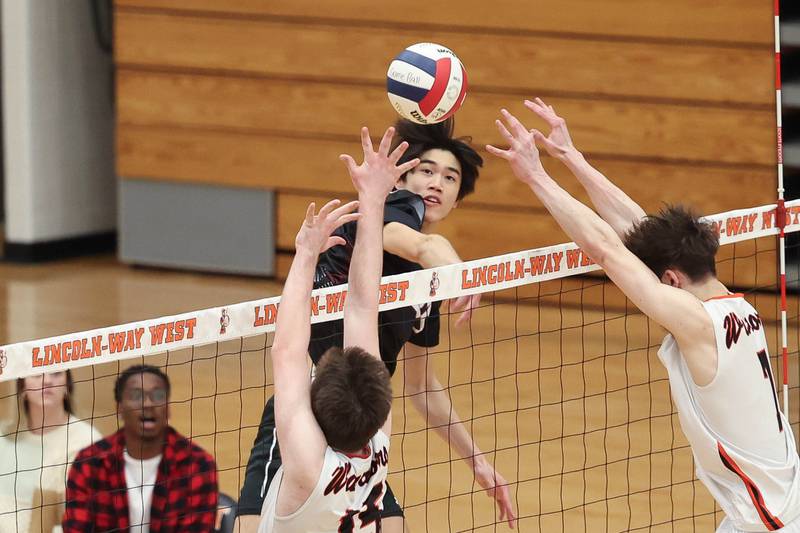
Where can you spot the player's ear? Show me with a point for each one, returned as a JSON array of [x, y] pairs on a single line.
[[671, 278]]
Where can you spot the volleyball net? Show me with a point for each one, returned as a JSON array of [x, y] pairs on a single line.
[[556, 377]]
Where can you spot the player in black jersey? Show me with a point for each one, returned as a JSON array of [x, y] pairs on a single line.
[[424, 196]]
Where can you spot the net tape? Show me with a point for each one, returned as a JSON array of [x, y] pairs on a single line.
[[139, 339]]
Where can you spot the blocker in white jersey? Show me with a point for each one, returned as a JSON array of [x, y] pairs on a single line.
[[743, 446], [348, 496], [716, 353]]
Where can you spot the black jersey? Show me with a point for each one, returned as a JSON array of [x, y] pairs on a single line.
[[418, 324]]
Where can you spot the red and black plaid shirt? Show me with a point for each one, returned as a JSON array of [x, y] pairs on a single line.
[[184, 496]]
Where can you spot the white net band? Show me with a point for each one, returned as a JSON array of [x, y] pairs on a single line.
[[138, 339]]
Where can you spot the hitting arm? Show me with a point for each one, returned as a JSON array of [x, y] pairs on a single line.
[[611, 202], [427, 250], [431, 400]]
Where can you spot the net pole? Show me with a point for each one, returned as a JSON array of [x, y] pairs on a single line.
[[780, 212]]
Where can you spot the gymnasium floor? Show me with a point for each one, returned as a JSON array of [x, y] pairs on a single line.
[[560, 378]]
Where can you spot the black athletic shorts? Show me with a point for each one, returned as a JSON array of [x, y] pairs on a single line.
[[265, 459]]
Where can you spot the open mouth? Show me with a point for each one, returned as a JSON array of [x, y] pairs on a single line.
[[148, 422], [432, 200]]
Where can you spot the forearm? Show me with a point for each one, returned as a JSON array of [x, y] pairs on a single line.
[[594, 236], [292, 329], [611, 202], [434, 404], [366, 262]]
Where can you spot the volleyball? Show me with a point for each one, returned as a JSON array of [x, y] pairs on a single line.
[[426, 83]]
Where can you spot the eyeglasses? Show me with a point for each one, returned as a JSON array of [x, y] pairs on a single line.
[[156, 396]]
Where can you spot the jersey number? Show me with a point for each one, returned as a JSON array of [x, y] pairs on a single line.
[[766, 368], [369, 513]]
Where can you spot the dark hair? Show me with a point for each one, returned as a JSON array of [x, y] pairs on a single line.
[[351, 396], [422, 137], [675, 238], [67, 397], [123, 378]]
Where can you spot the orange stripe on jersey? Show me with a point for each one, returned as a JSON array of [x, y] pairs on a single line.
[[769, 520], [734, 295]]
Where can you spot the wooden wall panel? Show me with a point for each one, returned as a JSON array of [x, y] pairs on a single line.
[[630, 128], [673, 100], [741, 21], [259, 161], [528, 64], [475, 234]]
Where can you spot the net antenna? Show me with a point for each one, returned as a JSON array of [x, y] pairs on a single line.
[[780, 213]]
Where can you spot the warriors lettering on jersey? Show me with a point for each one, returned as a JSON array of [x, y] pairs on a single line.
[[734, 326], [423, 311], [343, 480]]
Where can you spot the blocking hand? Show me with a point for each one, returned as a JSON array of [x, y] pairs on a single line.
[[558, 143], [315, 233], [522, 154], [379, 172]]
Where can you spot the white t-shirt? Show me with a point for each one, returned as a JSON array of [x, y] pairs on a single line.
[[348, 495], [742, 444], [140, 477], [35, 467]]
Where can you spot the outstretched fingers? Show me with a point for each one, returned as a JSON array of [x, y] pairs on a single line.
[[398, 152], [349, 162], [517, 127], [408, 165], [344, 210], [505, 154], [366, 142], [310, 210], [386, 141], [327, 208]]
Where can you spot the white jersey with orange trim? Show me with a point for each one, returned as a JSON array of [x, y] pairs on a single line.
[[348, 496], [743, 446]]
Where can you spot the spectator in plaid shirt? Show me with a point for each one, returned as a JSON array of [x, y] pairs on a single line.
[[145, 477]]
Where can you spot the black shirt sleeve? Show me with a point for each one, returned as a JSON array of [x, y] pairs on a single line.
[[404, 207]]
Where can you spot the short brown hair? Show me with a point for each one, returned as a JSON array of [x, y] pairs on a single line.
[[351, 396], [675, 239]]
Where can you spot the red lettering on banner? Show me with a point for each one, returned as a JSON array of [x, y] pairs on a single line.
[[794, 212], [265, 315], [492, 274], [740, 224], [36, 358], [334, 302], [716, 227], [394, 291], [537, 265], [172, 331], [576, 258], [519, 269], [314, 305], [124, 341], [768, 219]]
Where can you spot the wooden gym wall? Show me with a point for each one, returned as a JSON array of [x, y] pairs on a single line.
[[672, 100]]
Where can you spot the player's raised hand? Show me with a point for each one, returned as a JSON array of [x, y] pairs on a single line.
[[558, 144], [522, 154], [379, 172], [496, 487], [315, 233]]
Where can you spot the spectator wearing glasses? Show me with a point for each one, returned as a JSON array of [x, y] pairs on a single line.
[[146, 476]]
